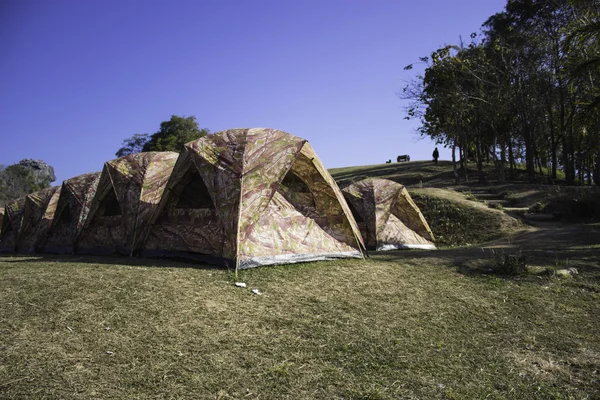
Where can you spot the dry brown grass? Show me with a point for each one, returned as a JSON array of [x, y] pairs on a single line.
[[398, 325]]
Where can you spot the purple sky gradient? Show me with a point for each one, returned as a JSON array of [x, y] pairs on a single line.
[[77, 77]]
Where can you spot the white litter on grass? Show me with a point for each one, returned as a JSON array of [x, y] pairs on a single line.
[[110, 353], [255, 291], [240, 284], [69, 328]]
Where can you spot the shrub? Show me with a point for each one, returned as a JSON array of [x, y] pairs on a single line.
[[538, 207], [510, 264], [578, 206], [496, 206]]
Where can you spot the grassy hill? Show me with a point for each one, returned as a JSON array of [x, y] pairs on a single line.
[[469, 213], [453, 215], [444, 324]]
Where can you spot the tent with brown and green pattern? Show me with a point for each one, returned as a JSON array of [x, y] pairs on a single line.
[[250, 197], [11, 224], [387, 216], [38, 213], [71, 212], [128, 191]]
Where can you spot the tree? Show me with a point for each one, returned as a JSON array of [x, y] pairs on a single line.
[[173, 134], [134, 144], [583, 47], [19, 180], [528, 90]]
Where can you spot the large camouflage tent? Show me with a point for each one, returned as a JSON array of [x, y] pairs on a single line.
[[71, 212], [387, 216], [11, 224], [249, 197], [38, 213], [129, 190]]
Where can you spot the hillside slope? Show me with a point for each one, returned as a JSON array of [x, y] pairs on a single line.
[[454, 215]]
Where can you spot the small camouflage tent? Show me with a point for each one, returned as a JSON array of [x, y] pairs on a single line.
[[387, 216], [249, 197], [129, 190], [71, 212], [11, 224], [38, 213]]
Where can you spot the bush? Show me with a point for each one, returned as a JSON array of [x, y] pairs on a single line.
[[582, 206], [537, 207], [496, 206], [510, 264], [17, 181]]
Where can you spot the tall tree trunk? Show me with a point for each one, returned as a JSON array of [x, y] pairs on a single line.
[[502, 160], [566, 162], [498, 162], [553, 142], [456, 178], [511, 160], [463, 161], [597, 172], [553, 145], [529, 153], [572, 153], [590, 166], [480, 174]]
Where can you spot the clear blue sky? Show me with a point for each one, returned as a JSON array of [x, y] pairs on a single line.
[[77, 77]]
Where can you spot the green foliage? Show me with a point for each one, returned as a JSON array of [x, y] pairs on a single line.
[[173, 134], [527, 91], [583, 206], [496, 206], [537, 207], [470, 196], [509, 264], [17, 181], [134, 144]]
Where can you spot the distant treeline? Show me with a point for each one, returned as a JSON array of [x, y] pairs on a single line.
[[527, 89]]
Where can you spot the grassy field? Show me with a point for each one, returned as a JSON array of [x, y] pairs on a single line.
[[445, 324]]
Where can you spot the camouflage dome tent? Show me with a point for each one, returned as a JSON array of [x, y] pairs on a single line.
[[387, 216], [11, 224], [71, 212], [38, 213], [129, 190], [250, 197]]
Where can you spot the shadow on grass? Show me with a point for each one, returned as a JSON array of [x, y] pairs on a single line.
[[108, 260], [569, 246]]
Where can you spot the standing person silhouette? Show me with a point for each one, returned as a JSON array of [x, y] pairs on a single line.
[[436, 155]]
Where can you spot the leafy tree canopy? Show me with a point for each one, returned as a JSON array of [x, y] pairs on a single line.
[[134, 144], [17, 181], [173, 134]]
